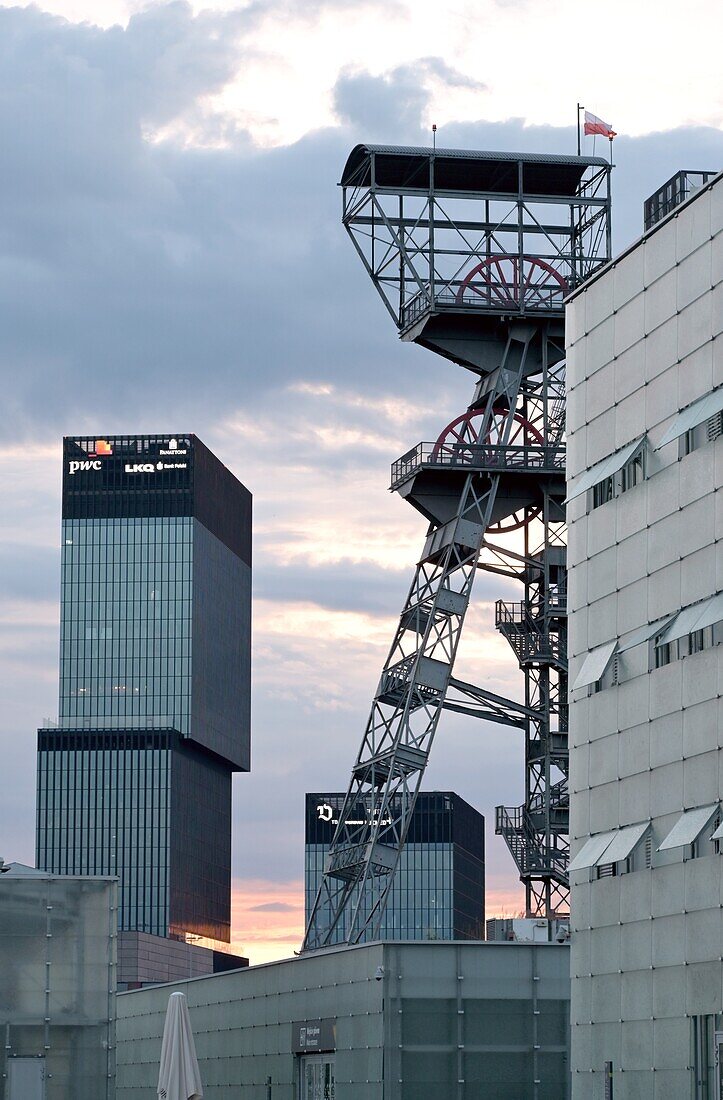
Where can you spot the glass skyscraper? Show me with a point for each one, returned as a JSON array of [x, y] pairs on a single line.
[[154, 713], [439, 888]]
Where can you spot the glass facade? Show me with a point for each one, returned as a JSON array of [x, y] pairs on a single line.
[[125, 633], [104, 802], [439, 888], [154, 709]]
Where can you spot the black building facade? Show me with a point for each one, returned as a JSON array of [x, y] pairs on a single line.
[[154, 713], [439, 888]]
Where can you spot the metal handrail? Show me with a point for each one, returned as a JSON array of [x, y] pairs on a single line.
[[481, 456], [512, 822]]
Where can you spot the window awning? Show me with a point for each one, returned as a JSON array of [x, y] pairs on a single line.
[[688, 827], [591, 851], [644, 634], [594, 665], [695, 617], [623, 843], [695, 414], [606, 468]]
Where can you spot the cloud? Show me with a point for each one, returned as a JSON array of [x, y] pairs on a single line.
[[159, 272], [393, 106], [274, 907]]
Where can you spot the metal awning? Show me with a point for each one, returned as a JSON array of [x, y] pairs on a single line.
[[688, 827], [467, 170], [718, 834], [695, 414], [696, 617], [606, 468], [644, 633], [591, 851], [594, 665], [623, 843]]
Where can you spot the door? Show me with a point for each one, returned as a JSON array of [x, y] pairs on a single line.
[[26, 1078], [317, 1077], [718, 1050]]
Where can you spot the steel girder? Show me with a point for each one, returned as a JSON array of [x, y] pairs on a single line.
[[460, 265], [390, 765]]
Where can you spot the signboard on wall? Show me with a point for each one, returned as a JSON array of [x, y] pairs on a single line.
[[313, 1036]]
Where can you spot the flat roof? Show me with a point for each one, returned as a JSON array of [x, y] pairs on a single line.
[[601, 271], [467, 170]]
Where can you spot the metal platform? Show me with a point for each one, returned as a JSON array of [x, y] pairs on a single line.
[[473, 254]]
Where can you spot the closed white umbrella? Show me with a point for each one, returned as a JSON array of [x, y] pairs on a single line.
[[179, 1078]]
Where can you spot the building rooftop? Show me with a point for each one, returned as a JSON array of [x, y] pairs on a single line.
[[466, 170]]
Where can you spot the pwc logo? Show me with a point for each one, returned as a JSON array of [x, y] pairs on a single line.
[[84, 464]]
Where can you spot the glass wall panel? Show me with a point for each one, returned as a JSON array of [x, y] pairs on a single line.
[[125, 631]]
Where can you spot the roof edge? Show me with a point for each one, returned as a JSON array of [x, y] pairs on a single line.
[[643, 237]]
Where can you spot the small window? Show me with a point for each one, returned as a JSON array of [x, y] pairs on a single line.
[[603, 492], [701, 434], [626, 478], [687, 443], [662, 654], [633, 472]]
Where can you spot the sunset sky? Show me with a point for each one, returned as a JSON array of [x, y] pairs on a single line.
[[172, 260]]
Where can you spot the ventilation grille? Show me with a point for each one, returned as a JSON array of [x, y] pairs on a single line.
[[714, 427]]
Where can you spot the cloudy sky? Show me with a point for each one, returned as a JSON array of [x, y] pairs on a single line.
[[171, 260]]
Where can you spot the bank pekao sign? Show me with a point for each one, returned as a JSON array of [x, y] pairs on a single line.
[[153, 467]]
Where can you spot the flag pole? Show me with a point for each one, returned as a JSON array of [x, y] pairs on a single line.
[[578, 130]]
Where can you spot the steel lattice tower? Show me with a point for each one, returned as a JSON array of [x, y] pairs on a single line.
[[473, 254]]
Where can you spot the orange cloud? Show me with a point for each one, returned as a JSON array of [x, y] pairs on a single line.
[[268, 917]]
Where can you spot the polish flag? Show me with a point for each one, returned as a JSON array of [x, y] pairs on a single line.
[[595, 125]]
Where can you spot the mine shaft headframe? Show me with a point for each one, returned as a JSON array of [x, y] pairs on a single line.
[[457, 241]]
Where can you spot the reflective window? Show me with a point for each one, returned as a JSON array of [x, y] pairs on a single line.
[[125, 635]]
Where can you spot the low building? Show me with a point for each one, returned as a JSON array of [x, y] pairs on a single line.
[[438, 891], [379, 1021], [527, 930], [57, 985]]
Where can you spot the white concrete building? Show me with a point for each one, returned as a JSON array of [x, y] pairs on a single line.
[[645, 466]]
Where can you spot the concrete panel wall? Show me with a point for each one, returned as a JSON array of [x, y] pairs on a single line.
[[454, 1020], [646, 945]]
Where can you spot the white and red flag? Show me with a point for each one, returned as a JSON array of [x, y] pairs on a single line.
[[595, 125]]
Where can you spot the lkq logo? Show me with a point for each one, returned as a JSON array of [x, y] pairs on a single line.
[[140, 468], [84, 464]]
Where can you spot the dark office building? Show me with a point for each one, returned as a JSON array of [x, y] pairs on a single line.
[[154, 715], [439, 888]]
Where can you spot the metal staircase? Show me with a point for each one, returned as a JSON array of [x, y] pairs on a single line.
[[472, 254]]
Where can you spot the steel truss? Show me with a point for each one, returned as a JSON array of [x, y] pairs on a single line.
[[427, 247], [492, 487]]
